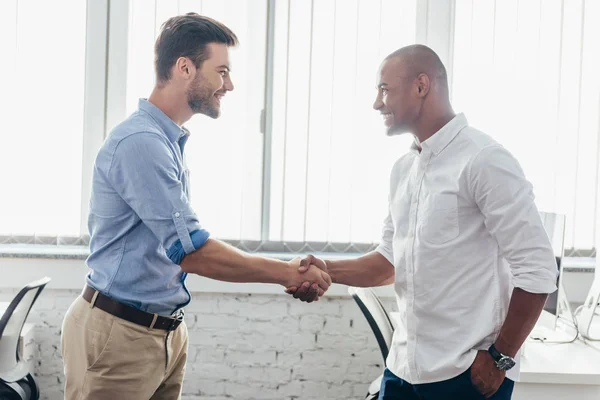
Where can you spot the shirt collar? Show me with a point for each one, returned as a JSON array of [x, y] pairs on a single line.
[[442, 138], [173, 131]]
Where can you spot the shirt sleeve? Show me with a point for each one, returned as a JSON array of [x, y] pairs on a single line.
[[385, 247], [144, 172], [506, 199]]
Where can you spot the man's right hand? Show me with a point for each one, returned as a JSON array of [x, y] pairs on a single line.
[[307, 292], [307, 276]]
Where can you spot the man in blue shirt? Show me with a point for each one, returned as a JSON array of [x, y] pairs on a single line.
[[125, 338]]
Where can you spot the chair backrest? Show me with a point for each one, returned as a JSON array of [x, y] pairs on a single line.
[[376, 316], [11, 325]]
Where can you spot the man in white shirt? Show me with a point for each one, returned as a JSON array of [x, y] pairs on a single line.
[[463, 243]]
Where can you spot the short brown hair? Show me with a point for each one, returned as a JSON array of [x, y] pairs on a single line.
[[187, 36]]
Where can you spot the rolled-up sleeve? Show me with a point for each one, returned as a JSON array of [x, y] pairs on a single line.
[[385, 247], [144, 172], [506, 199]]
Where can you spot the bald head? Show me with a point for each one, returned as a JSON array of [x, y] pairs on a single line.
[[419, 59], [412, 90]]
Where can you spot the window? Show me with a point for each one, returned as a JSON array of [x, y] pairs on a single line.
[[43, 52], [298, 155], [331, 158], [319, 190], [526, 72]]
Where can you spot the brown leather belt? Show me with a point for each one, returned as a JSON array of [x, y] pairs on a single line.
[[129, 313]]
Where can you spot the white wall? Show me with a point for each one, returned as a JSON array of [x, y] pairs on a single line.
[[246, 341], [245, 346]]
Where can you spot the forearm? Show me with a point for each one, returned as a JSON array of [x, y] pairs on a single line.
[[220, 261], [370, 270], [523, 312]]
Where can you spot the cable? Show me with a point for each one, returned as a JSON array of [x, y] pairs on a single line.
[[576, 326]]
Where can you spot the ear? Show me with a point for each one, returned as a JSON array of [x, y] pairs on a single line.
[[423, 85], [184, 68]]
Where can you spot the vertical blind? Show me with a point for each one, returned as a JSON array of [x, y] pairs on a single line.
[[526, 72], [331, 158], [43, 69]]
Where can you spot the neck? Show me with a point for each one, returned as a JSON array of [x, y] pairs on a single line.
[[172, 102], [430, 123]]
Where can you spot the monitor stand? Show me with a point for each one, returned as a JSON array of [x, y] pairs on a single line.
[[589, 309], [556, 328]]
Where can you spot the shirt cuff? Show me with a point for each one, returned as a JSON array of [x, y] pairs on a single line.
[[176, 253], [540, 282], [386, 252]]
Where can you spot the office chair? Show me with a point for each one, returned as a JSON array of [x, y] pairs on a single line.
[[380, 324], [15, 379]]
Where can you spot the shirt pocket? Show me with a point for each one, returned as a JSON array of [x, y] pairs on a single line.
[[440, 219]]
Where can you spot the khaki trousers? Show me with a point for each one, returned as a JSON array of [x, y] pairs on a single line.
[[106, 357]]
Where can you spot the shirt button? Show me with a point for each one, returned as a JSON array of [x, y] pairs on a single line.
[[177, 215]]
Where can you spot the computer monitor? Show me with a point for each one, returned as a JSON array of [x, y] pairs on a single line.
[[552, 303], [554, 224]]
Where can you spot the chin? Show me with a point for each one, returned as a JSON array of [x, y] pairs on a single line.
[[396, 130], [213, 113]]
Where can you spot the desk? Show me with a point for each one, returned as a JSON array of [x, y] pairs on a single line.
[[556, 371], [559, 371]]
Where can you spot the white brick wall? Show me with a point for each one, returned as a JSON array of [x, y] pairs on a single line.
[[245, 346]]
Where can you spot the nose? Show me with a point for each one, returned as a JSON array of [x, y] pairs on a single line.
[[228, 84], [378, 102]]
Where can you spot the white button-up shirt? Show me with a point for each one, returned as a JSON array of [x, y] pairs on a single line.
[[462, 232]]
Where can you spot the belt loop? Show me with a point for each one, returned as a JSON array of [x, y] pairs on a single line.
[[93, 300], [153, 321]]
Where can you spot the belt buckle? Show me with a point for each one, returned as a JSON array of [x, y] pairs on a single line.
[[171, 326], [174, 323]]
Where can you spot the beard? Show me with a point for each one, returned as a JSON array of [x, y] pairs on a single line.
[[200, 99]]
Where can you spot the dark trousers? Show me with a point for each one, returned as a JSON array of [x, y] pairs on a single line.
[[457, 388]]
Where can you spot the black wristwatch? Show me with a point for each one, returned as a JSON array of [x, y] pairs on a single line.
[[503, 362]]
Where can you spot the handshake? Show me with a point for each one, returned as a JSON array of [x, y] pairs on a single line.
[[309, 278]]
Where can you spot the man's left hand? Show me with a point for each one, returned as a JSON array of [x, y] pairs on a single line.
[[486, 377]]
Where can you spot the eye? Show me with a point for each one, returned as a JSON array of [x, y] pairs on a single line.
[[223, 73], [384, 91]]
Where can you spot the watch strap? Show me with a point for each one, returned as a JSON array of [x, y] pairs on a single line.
[[496, 355]]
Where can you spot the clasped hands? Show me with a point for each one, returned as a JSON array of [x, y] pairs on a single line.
[[311, 280]]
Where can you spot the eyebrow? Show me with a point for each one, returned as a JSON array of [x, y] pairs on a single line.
[[224, 66], [381, 85]]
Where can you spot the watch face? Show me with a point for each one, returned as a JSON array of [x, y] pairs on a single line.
[[505, 363]]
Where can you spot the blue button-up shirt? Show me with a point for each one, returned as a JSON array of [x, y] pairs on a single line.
[[140, 222]]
